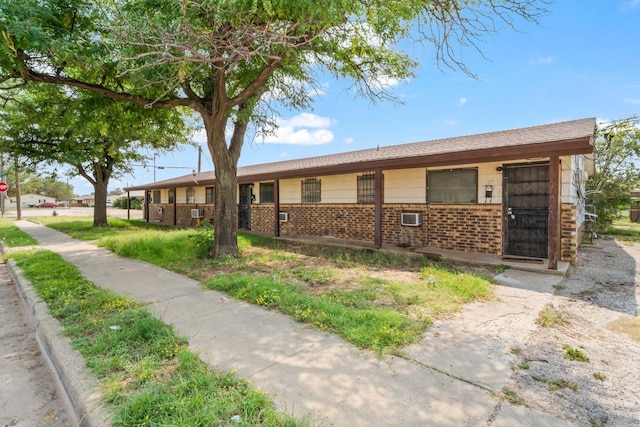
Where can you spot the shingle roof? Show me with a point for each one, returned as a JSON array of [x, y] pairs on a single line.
[[571, 137]]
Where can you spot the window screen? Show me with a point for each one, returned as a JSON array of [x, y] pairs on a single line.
[[191, 195], [266, 192], [311, 190], [452, 186], [171, 195], [367, 188], [156, 196], [209, 195]]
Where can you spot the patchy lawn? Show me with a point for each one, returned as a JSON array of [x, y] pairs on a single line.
[[373, 299]]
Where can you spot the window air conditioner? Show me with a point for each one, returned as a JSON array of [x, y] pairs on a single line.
[[284, 216], [197, 213], [411, 219]]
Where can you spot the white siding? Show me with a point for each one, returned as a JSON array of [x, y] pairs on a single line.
[[405, 186], [290, 190], [339, 188]]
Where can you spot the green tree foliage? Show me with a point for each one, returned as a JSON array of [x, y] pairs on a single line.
[[98, 137], [617, 156], [47, 187], [220, 57]]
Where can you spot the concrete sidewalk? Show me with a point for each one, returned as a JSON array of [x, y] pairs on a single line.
[[451, 379]]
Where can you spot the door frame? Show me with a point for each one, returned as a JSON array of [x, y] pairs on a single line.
[[505, 202]]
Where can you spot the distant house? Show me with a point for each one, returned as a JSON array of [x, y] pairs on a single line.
[[28, 201], [515, 193]]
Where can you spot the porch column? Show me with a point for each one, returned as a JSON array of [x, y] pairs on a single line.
[[175, 206], [377, 210], [276, 207], [147, 196], [553, 236]]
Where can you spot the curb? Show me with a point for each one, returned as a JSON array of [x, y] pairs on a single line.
[[79, 389]]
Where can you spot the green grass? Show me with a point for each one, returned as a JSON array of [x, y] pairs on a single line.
[[83, 229], [512, 397], [148, 374], [554, 385], [12, 236], [549, 317], [337, 289], [575, 354]]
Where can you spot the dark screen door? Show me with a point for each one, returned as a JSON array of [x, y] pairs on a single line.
[[526, 206], [244, 210]]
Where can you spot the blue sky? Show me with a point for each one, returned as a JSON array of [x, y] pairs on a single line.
[[582, 60]]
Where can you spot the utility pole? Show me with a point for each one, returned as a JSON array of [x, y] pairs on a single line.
[[16, 166], [199, 158]]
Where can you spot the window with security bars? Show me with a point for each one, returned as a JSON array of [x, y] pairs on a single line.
[[452, 186], [267, 192], [367, 188], [209, 195], [191, 195], [310, 190]]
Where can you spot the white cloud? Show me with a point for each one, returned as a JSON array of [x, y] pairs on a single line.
[[308, 120], [283, 154], [349, 140], [630, 4], [542, 60], [199, 136], [634, 101], [462, 101], [450, 122], [303, 129]]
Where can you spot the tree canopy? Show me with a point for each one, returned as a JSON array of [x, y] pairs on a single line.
[[617, 156], [228, 59], [98, 137]]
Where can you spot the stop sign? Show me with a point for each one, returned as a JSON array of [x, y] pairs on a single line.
[[3, 187]]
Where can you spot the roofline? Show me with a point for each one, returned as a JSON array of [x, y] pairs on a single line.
[[583, 145]]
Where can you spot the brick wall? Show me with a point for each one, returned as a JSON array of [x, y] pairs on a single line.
[[467, 228], [262, 217], [569, 233], [183, 214], [471, 228], [344, 221], [396, 234]]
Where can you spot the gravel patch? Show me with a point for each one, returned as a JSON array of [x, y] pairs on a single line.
[[597, 306]]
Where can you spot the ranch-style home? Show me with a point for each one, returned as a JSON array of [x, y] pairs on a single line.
[[515, 193]]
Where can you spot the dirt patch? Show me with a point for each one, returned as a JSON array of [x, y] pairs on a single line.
[[598, 304], [29, 395], [626, 325]]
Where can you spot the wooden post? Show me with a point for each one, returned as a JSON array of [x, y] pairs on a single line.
[[276, 207], [553, 236], [377, 210], [175, 206]]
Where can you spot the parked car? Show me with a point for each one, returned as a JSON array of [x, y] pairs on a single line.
[[47, 205]]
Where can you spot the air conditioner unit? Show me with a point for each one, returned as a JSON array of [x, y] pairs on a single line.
[[159, 210], [283, 216], [197, 213], [411, 219]]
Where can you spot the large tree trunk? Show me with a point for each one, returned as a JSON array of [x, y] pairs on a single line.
[[225, 220], [100, 199]]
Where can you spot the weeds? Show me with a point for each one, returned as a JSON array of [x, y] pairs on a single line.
[[599, 376], [148, 374], [512, 397], [554, 385], [549, 317], [12, 236], [574, 354]]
